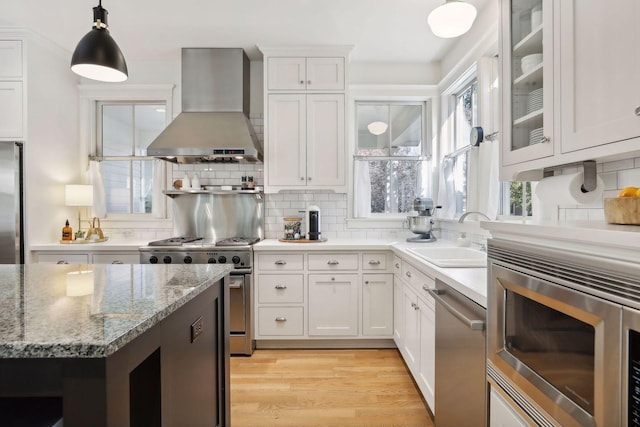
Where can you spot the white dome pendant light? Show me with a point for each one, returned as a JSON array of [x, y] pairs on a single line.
[[97, 56], [452, 19]]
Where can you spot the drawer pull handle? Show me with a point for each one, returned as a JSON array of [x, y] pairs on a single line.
[[281, 286], [413, 305], [280, 262], [62, 262], [117, 262], [397, 265], [408, 273], [374, 262], [333, 262], [281, 319]]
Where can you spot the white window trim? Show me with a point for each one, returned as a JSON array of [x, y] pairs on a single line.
[[90, 95], [386, 93]]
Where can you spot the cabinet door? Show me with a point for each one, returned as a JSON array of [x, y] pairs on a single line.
[[10, 109], [10, 59], [377, 305], [325, 140], [286, 74], [398, 312], [527, 81], [411, 328], [599, 69], [286, 141], [427, 349], [325, 73], [333, 304]]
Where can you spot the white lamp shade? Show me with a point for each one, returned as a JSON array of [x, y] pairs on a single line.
[[451, 19], [377, 128], [78, 195], [79, 283]]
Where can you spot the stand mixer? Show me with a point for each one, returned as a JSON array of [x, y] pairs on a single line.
[[421, 224]]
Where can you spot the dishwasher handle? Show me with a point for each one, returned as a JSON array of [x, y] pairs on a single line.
[[439, 296]]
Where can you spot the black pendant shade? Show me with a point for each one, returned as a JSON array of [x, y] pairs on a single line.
[[97, 56]]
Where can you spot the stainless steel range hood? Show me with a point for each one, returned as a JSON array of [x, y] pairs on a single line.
[[214, 124]]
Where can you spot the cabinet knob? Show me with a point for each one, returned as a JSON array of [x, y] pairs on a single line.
[[281, 286], [301, 82], [302, 178], [545, 139], [333, 279], [637, 111], [281, 319], [309, 178], [366, 282], [397, 265], [408, 273], [280, 262], [425, 288], [308, 82], [374, 262]]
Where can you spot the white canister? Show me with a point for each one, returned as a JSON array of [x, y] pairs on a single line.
[[186, 182], [536, 17], [195, 182]]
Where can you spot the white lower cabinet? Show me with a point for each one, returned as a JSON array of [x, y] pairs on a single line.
[[320, 295], [377, 313], [333, 304], [415, 327], [130, 257], [501, 414]]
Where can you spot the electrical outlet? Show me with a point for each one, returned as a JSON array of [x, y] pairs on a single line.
[[197, 328]]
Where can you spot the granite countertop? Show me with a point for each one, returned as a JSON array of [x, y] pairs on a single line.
[[90, 311]]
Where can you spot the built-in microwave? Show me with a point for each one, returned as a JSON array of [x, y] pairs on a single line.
[[555, 336]]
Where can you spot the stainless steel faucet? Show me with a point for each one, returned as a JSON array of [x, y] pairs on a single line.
[[466, 214]]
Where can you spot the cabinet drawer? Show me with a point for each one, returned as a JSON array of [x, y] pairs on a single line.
[[280, 288], [64, 258], [397, 266], [374, 261], [10, 59], [280, 262], [274, 321], [116, 258], [333, 262], [416, 278]]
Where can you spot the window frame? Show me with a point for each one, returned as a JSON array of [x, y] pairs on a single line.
[[410, 94], [90, 98]]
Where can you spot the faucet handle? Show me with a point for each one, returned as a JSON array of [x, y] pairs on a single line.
[[481, 246]]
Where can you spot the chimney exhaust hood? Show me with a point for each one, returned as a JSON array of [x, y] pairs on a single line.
[[214, 124]]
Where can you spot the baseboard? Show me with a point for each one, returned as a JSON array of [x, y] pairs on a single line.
[[317, 344]]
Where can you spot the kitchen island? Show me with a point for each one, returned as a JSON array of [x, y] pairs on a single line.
[[117, 345]]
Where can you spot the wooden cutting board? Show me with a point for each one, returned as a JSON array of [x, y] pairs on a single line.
[[622, 210]]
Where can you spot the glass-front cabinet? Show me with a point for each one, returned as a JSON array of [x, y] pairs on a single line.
[[527, 80]]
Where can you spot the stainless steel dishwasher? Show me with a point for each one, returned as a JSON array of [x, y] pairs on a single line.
[[460, 395]]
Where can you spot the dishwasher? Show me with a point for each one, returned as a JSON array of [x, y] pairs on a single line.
[[460, 384]]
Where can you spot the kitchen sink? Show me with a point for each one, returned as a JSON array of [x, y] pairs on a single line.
[[451, 256]]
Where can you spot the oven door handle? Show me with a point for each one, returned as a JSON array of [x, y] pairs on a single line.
[[440, 297]]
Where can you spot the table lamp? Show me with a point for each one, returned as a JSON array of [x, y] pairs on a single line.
[[79, 195]]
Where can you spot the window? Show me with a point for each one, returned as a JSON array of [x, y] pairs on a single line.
[[125, 130], [516, 198], [389, 157]]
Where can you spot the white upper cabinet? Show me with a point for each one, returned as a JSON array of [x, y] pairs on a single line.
[[527, 80], [297, 73], [599, 69], [10, 59]]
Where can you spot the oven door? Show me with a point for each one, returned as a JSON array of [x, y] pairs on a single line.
[[559, 346], [631, 368]]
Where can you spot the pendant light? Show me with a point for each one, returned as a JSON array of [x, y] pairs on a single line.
[[451, 19], [97, 55]]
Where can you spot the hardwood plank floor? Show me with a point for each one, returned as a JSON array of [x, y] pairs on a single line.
[[305, 388]]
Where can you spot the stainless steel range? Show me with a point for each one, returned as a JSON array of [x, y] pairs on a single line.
[[212, 227]]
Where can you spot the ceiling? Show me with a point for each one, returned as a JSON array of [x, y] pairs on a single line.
[[379, 30]]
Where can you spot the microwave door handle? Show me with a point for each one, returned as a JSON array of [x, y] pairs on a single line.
[[475, 325]]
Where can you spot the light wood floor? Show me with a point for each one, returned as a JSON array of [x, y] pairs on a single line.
[[324, 388]]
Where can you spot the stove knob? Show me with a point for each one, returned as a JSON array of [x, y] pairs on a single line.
[[235, 259], [166, 259], [187, 259], [211, 260], [153, 259], [222, 259]]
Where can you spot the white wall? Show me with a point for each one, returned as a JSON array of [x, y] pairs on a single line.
[[51, 145], [388, 73]]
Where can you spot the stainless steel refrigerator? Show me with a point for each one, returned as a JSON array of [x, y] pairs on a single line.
[[11, 203]]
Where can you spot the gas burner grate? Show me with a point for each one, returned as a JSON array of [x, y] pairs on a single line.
[[174, 241], [237, 241]]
